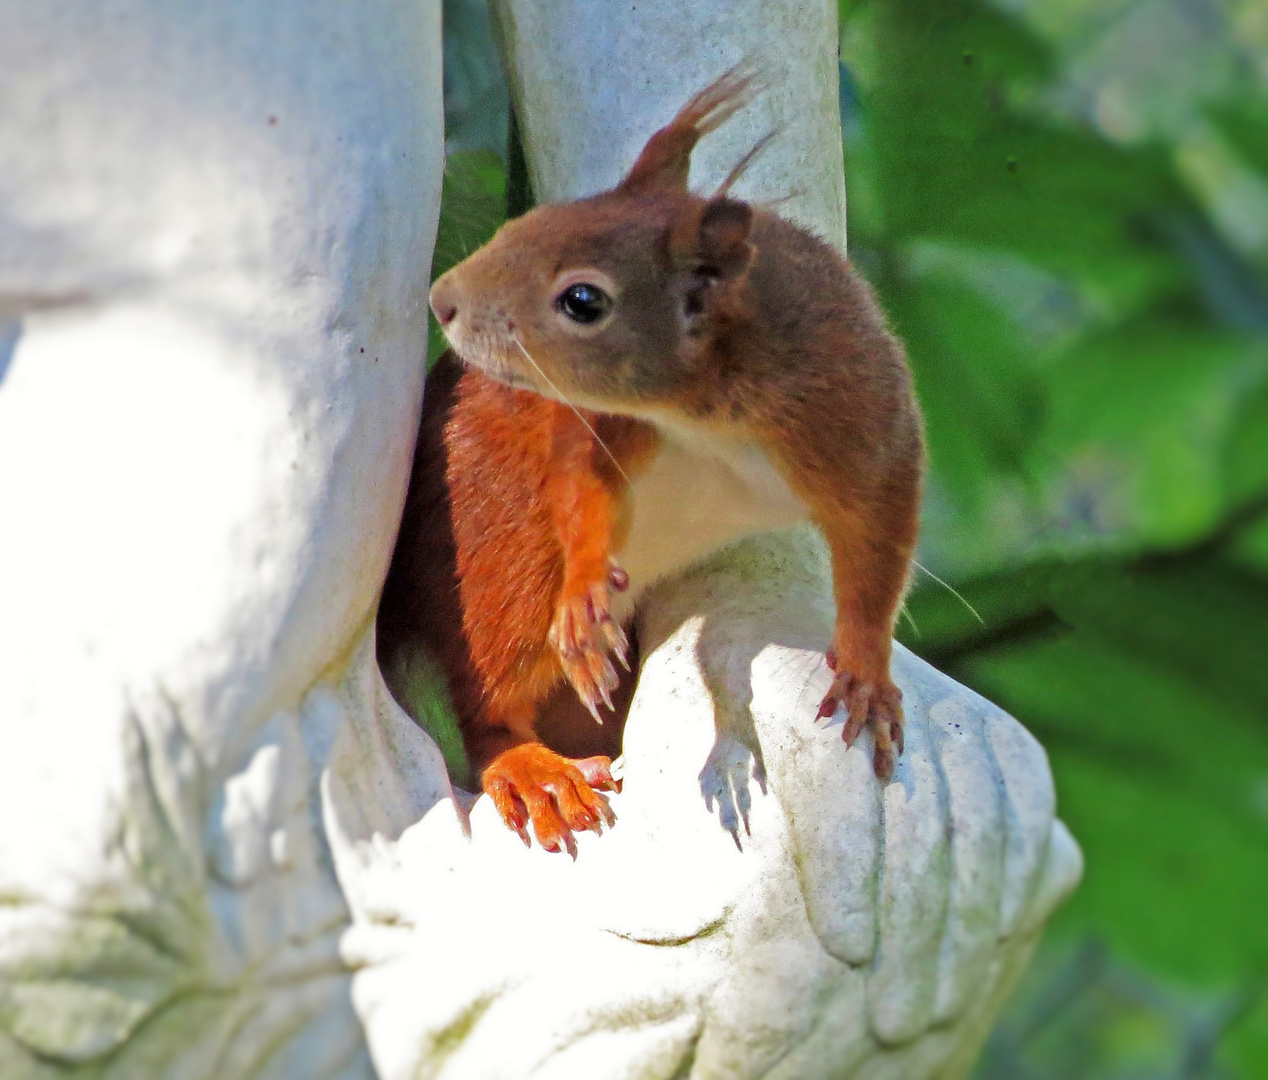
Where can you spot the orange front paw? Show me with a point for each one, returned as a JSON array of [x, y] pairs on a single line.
[[584, 635], [873, 702], [530, 783]]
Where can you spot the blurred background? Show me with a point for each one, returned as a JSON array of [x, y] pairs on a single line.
[[1064, 207]]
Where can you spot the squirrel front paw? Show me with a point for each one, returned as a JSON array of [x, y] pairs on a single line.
[[558, 795], [873, 702], [586, 638]]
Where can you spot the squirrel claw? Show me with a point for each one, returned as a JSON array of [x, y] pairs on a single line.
[[558, 796], [584, 635], [876, 704], [606, 695], [618, 578]]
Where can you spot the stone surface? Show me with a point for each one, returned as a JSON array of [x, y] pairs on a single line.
[[215, 228], [224, 850]]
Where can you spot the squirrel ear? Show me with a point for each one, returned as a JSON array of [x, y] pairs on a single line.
[[710, 243], [722, 247]]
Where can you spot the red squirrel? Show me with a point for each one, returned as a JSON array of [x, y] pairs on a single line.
[[648, 374]]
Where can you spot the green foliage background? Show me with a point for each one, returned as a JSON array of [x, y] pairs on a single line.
[[1064, 207]]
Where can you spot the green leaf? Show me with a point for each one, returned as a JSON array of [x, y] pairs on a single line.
[[472, 209], [1195, 619], [472, 206], [1165, 790], [1133, 448], [958, 149], [979, 396], [1246, 460], [1243, 123], [1248, 548], [1245, 1048], [419, 682], [945, 623]]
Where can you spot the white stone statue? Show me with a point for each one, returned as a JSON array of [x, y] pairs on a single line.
[[225, 852]]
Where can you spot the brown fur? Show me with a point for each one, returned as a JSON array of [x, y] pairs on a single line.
[[726, 321]]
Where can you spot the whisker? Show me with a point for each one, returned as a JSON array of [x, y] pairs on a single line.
[[562, 397], [779, 200], [972, 609], [744, 163]]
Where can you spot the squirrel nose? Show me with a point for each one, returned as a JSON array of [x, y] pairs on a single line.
[[442, 302]]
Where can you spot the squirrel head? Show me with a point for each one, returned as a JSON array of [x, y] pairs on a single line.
[[620, 300]]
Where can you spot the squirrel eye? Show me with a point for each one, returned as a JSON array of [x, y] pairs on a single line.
[[583, 302]]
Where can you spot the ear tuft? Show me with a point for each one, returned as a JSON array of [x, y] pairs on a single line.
[[742, 165], [666, 159]]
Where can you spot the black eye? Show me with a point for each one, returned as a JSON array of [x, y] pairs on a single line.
[[583, 302]]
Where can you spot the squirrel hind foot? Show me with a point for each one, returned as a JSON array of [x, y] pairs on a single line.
[[558, 796]]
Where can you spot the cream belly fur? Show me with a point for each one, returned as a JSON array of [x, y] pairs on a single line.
[[701, 491]]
